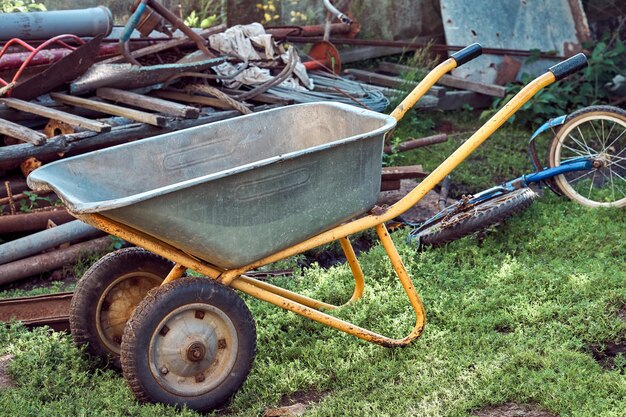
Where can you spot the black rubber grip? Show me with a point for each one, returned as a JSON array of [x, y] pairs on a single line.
[[467, 54], [569, 66]]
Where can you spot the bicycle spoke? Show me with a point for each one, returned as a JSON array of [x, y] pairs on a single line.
[[591, 186], [579, 177], [612, 185], [616, 139], [578, 153], [584, 141], [584, 148], [616, 163], [600, 137]]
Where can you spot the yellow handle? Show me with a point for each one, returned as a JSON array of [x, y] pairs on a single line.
[[456, 60]]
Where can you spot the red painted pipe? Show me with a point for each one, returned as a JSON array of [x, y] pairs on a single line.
[[47, 56]]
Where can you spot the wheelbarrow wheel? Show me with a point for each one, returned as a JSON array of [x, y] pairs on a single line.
[[106, 296], [599, 133], [474, 218], [189, 343]]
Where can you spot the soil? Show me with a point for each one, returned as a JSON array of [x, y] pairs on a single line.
[[425, 208], [606, 352], [5, 379], [513, 410]]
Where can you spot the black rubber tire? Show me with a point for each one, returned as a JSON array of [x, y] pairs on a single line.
[[146, 328], [112, 276], [475, 218], [589, 119]]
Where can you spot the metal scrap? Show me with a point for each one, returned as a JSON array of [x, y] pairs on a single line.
[[127, 76], [559, 26]]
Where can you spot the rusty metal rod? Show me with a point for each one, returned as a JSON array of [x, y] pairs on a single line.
[[414, 45], [43, 310], [179, 24], [38, 264], [31, 222], [416, 143]]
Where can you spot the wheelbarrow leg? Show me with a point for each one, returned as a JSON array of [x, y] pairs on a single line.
[[355, 267], [177, 271]]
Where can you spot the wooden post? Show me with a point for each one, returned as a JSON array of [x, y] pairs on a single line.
[[21, 133], [140, 116], [68, 118], [148, 103]]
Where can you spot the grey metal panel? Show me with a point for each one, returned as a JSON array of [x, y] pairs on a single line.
[[234, 191], [547, 25]]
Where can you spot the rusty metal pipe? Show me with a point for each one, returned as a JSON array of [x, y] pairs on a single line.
[[307, 31], [31, 222], [47, 56], [414, 45], [38, 264]]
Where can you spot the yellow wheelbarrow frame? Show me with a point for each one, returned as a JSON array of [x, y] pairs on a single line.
[[312, 308]]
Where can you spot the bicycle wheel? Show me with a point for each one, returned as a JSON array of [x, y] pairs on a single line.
[[471, 218], [597, 132]]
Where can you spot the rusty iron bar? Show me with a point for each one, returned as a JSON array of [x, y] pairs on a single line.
[[34, 265], [47, 56], [280, 32], [179, 24], [54, 309], [415, 45], [43, 310], [31, 222], [416, 143]]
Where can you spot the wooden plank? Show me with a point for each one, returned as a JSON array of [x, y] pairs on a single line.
[[448, 80], [403, 172], [68, 118], [392, 82], [148, 103], [179, 95], [140, 116], [22, 133]]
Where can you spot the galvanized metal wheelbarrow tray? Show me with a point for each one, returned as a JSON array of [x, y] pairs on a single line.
[[227, 198]]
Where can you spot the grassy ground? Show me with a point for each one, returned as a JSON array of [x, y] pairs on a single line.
[[514, 318]]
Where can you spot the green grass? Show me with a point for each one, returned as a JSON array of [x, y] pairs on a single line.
[[508, 320]]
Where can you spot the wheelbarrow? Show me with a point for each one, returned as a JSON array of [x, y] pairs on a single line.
[[225, 199]]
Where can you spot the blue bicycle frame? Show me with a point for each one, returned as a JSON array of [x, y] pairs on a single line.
[[540, 174]]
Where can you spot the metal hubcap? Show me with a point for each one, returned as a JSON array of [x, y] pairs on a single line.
[[118, 303], [193, 349]]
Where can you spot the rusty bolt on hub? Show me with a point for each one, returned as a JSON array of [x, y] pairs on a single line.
[[200, 378], [164, 370], [196, 352]]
